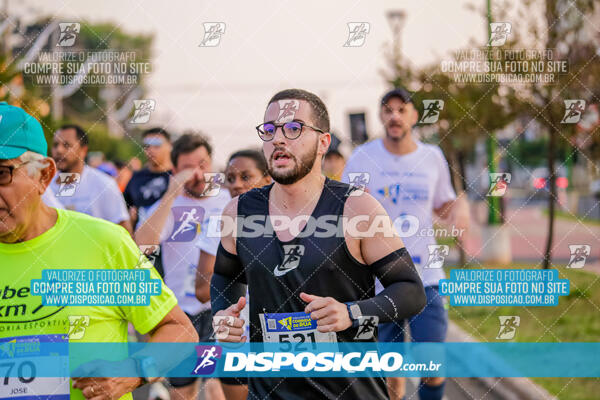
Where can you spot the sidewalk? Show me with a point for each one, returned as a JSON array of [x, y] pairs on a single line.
[[503, 388], [481, 388], [528, 227]]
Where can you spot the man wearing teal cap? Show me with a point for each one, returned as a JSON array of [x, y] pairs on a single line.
[[35, 237], [25, 133], [28, 129]]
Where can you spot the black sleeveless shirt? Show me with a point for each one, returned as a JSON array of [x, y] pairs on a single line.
[[317, 262]]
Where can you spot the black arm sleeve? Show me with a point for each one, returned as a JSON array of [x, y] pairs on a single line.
[[403, 295], [228, 282]]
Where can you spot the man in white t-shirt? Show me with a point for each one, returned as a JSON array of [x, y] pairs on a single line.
[[79, 187], [177, 221], [412, 182]]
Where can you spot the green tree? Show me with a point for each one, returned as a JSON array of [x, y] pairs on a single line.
[[569, 29], [88, 106], [471, 112]]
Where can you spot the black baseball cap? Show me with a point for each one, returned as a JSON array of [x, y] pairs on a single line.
[[398, 92]]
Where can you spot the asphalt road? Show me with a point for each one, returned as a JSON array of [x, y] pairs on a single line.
[[456, 389]]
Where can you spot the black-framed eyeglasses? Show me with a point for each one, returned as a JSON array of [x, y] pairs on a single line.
[[291, 130], [6, 172]]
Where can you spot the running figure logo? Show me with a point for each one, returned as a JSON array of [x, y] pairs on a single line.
[[68, 182], [291, 259], [207, 359], [142, 111], [214, 181], [287, 323], [366, 327], [573, 111], [358, 180], [431, 111], [9, 348], [499, 33], [77, 326], [437, 254], [508, 327], [287, 110], [222, 328], [187, 223], [212, 34], [579, 253], [357, 33], [149, 252], [498, 184], [68, 33]]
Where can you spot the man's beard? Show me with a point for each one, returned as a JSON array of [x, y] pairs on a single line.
[[396, 138], [190, 191], [68, 166], [301, 169]]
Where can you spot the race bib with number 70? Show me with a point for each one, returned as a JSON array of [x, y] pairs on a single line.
[[23, 359]]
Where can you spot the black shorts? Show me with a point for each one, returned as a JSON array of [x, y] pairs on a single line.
[[203, 324], [234, 381]]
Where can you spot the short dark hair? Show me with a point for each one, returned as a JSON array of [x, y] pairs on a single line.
[[157, 131], [81, 134], [119, 164], [319, 110], [188, 143], [255, 155]]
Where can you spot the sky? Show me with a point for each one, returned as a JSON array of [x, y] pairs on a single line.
[[268, 46]]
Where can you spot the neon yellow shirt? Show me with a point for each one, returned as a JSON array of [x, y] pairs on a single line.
[[76, 241]]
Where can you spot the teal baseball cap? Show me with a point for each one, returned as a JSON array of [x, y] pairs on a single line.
[[19, 132]]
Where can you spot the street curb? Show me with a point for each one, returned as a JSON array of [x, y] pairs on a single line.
[[507, 388]]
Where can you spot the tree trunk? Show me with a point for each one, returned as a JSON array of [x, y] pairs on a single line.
[[551, 13], [552, 199], [457, 175], [460, 158]]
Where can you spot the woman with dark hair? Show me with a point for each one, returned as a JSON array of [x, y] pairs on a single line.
[[246, 170]]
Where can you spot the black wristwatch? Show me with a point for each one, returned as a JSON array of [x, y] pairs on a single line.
[[147, 369], [354, 313]]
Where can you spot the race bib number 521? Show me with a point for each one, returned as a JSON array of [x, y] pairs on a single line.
[[296, 331]]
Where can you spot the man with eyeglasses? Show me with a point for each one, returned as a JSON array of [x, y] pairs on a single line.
[[35, 237], [302, 276], [149, 184], [80, 187]]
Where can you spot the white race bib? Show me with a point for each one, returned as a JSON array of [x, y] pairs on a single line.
[[22, 358], [292, 330]]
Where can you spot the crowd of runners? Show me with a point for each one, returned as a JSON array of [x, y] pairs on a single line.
[[360, 284]]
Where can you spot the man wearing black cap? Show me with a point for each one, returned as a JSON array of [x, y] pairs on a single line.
[[411, 180]]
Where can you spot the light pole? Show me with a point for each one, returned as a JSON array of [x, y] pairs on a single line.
[[396, 19], [490, 143]]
